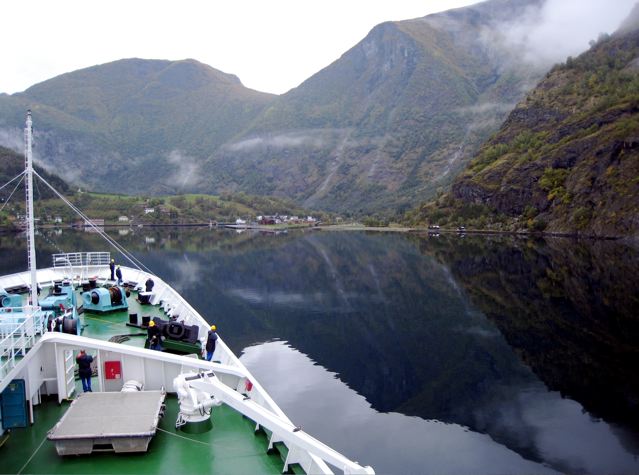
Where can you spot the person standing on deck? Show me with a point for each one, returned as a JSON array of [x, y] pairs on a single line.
[[84, 370], [148, 285], [210, 343], [153, 336], [118, 274], [112, 267]]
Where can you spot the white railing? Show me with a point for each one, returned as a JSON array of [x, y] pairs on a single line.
[[17, 335], [81, 259], [77, 263]]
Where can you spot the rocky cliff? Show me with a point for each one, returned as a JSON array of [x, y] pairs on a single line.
[[567, 157]]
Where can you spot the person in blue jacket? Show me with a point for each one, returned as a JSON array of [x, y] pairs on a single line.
[[211, 339], [84, 370], [118, 274]]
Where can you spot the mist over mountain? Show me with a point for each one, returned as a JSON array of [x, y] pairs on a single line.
[[393, 119], [136, 126], [566, 159], [387, 125]]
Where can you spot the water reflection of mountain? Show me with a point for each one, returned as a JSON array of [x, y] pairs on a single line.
[[568, 308], [391, 322]]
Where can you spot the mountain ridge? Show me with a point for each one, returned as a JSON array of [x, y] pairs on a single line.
[[388, 124]]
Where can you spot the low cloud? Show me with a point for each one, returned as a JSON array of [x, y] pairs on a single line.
[[12, 138], [184, 171], [550, 32], [315, 139], [485, 108]]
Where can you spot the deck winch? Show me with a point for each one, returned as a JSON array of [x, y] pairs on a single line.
[[61, 303], [104, 300], [178, 337], [9, 300]]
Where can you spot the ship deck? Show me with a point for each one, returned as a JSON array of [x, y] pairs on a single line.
[[231, 446]]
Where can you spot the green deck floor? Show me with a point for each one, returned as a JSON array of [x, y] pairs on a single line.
[[230, 447]]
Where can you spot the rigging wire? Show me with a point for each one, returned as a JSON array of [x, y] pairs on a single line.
[[14, 178], [44, 234], [14, 189], [128, 255]]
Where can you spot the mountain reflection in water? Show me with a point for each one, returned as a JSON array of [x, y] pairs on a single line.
[[422, 355]]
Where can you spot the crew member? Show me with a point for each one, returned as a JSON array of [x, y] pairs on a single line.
[[118, 274], [210, 343], [153, 336], [112, 267], [148, 285], [84, 369]]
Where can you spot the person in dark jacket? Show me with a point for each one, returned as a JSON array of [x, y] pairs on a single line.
[[84, 369], [118, 274], [112, 268], [210, 343], [148, 285], [154, 337]]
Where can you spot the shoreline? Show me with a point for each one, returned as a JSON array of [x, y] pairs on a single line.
[[340, 227], [492, 232]]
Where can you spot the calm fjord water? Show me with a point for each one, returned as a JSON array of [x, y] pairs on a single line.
[[445, 355]]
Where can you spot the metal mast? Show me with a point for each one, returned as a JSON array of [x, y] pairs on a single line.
[[28, 158]]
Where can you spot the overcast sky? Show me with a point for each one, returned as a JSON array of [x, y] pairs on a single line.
[[271, 45]]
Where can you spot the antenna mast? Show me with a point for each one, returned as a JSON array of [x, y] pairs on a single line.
[[31, 258]]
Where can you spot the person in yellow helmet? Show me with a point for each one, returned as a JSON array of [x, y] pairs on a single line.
[[153, 336], [112, 268], [211, 339]]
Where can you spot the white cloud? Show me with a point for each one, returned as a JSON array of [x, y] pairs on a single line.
[[292, 140], [185, 172], [561, 28], [271, 46]]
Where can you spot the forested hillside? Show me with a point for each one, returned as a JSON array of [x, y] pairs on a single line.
[[567, 158]]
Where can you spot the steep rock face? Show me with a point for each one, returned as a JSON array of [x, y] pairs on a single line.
[[568, 155], [393, 119]]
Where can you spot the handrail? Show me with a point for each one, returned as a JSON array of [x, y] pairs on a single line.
[[81, 259], [17, 335]]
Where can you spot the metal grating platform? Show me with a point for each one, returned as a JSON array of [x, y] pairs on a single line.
[[114, 421]]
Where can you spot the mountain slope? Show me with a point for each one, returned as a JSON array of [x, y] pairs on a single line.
[[383, 127], [147, 120], [567, 158], [390, 121]]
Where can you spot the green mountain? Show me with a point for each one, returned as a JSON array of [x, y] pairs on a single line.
[[383, 127], [134, 125], [567, 157], [182, 209], [393, 119], [12, 165]]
